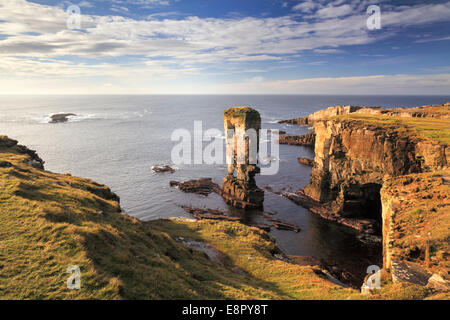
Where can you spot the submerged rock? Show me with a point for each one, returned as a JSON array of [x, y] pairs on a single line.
[[209, 214], [282, 225]]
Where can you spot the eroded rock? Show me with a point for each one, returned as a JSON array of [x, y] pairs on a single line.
[[60, 117], [163, 168], [306, 161], [307, 140], [203, 186], [209, 214], [242, 126]]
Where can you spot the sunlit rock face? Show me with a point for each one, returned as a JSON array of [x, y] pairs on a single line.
[[242, 127]]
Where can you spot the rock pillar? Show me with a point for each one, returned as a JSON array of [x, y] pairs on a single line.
[[242, 126]]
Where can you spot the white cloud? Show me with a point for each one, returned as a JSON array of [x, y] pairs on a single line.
[[377, 84], [432, 40], [327, 51], [334, 12], [192, 38], [85, 4], [119, 8], [173, 48], [306, 6]]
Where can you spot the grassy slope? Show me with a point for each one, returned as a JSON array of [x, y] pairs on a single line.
[[422, 218], [51, 221]]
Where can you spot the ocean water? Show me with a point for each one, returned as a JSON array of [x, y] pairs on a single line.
[[116, 140]]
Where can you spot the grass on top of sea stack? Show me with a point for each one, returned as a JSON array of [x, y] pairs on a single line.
[[428, 128], [241, 112]]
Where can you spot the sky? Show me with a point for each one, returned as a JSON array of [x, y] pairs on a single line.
[[224, 47]]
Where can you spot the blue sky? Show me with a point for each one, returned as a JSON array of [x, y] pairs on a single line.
[[224, 46]]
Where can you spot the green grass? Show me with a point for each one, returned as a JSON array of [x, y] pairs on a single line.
[[50, 221], [435, 129], [241, 112], [422, 218]]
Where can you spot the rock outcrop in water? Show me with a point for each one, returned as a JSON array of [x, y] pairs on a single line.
[[61, 117], [306, 140], [242, 126], [306, 161]]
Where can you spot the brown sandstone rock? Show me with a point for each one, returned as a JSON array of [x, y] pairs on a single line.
[[306, 161], [301, 140], [239, 188]]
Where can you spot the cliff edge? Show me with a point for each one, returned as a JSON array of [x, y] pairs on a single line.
[[367, 160]]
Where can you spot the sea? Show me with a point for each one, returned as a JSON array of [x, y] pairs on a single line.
[[117, 139]]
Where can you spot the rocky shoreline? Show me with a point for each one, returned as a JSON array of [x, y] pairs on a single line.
[[306, 140], [357, 149], [353, 199]]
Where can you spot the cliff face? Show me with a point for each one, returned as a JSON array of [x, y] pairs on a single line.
[[392, 168], [352, 160], [331, 112], [302, 140]]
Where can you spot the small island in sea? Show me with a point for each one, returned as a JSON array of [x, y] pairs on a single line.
[[383, 172]]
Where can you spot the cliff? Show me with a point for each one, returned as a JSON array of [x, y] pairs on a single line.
[[434, 111], [353, 156], [365, 160], [307, 140]]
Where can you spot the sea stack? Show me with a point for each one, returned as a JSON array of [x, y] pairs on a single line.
[[242, 128]]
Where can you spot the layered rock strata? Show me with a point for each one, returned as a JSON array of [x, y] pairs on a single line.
[[242, 126], [307, 140]]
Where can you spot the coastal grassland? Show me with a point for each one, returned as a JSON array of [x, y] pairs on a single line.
[[428, 128], [50, 221], [437, 110], [251, 250]]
